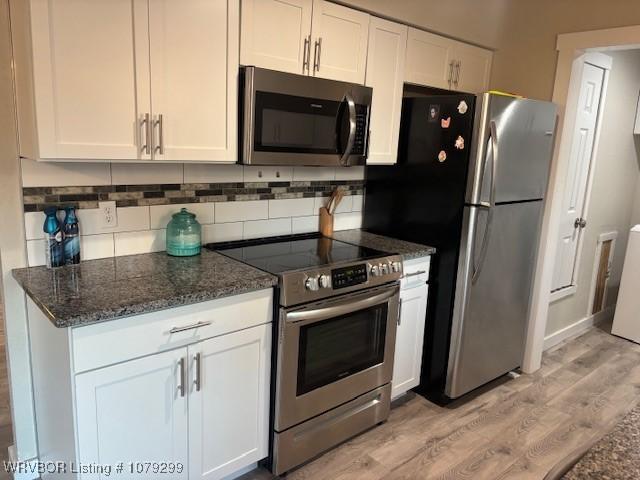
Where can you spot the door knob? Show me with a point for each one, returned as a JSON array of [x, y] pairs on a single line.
[[580, 223]]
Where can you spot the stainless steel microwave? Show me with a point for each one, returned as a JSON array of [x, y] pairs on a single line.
[[293, 119]]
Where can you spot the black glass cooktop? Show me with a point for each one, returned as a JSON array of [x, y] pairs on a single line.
[[293, 252]]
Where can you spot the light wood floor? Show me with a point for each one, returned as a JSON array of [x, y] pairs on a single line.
[[517, 430]]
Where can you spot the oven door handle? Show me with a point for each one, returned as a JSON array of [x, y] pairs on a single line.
[[342, 308], [351, 106]]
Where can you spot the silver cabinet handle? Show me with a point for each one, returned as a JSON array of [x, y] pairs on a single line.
[[413, 274], [197, 358], [317, 51], [306, 54], [399, 311], [189, 327], [351, 105], [458, 68], [145, 134], [450, 77], [182, 373], [160, 124]]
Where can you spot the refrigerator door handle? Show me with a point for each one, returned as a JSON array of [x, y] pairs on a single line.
[[489, 207]]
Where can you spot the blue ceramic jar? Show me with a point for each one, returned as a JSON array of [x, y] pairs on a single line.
[[184, 234]]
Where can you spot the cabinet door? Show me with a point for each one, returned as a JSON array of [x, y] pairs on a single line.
[[86, 55], [134, 411], [385, 74], [194, 75], [229, 410], [429, 59], [409, 339], [339, 49], [274, 34], [474, 68]]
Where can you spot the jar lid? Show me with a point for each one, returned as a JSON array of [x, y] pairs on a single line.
[[184, 213]]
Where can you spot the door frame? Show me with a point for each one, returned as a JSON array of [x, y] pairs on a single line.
[[569, 46], [605, 63]]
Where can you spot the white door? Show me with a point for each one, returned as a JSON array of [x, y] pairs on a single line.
[[339, 49], [429, 59], [229, 413], [473, 68], [276, 34], [407, 361], [385, 74], [90, 62], [134, 411], [578, 174], [194, 74]]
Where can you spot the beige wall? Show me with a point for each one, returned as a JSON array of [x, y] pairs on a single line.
[[616, 179]]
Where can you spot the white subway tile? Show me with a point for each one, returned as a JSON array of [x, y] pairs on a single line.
[[347, 221], [33, 223], [130, 219], [35, 253], [291, 207], [161, 214], [268, 174], [358, 203], [267, 228], [53, 174], [132, 243], [222, 232], [344, 206], [303, 174], [96, 246], [146, 173], [207, 173], [350, 173], [241, 211], [305, 224]]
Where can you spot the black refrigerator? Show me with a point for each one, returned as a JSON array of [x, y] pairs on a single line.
[[470, 181]]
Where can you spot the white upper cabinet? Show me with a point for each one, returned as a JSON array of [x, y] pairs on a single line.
[[473, 69], [127, 79], [439, 62], [339, 42], [85, 57], [385, 74], [276, 34], [429, 59], [194, 75]]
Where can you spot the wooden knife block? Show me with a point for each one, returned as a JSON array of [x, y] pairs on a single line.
[[326, 222]]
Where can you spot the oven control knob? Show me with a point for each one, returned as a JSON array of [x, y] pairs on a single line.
[[375, 270], [384, 269], [324, 281], [311, 283], [396, 267]]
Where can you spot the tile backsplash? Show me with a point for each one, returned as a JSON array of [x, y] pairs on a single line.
[[231, 202]]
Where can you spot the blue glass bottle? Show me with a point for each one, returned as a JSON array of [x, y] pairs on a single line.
[[71, 237], [54, 251]]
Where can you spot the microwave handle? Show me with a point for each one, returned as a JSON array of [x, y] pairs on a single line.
[[351, 105]]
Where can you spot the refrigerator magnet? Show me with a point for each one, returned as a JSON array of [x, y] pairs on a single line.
[[462, 107], [445, 122], [442, 156], [434, 113], [460, 143]]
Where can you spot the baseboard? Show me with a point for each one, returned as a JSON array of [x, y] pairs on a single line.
[[30, 466], [578, 327]]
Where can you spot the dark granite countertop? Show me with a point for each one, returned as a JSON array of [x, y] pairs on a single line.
[[407, 250], [110, 288]]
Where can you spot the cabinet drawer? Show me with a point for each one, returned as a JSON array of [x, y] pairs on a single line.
[[116, 341], [415, 272]]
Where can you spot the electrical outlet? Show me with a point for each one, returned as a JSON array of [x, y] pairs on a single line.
[[109, 214]]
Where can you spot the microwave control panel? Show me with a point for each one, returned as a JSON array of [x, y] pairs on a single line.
[[349, 276]]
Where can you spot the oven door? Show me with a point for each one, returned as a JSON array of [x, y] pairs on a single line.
[[297, 120], [333, 351]]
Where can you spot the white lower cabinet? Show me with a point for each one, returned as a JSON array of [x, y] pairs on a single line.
[[180, 393], [407, 361]]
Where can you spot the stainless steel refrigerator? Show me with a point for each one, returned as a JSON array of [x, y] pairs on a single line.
[[481, 207]]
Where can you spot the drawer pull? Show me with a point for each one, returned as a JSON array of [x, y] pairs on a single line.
[[414, 274], [189, 327], [182, 373]]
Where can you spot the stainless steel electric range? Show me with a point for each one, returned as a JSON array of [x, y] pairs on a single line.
[[335, 331]]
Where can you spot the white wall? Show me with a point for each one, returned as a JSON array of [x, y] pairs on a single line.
[[616, 181]]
